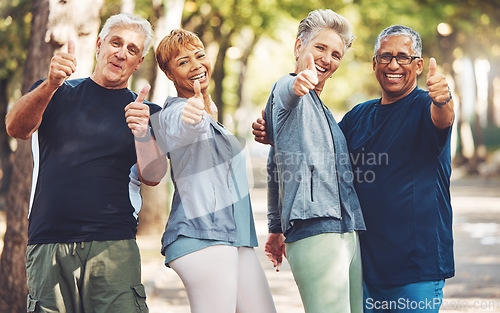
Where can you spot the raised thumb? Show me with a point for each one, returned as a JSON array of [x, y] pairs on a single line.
[[197, 89], [142, 95], [71, 47], [432, 67]]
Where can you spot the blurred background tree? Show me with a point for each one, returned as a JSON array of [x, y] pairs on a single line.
[[251, 46]]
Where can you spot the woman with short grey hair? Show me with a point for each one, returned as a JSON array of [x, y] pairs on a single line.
[[314, 214]]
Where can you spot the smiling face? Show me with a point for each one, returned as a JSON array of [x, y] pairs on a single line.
[[118, 56], [327, 49], [189, 65], [396, 80]]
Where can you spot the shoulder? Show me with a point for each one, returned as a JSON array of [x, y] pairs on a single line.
[[422, 96], [285, 80], [363, 107], [173, 105], [153, 107], [173, 102], [75, 82]]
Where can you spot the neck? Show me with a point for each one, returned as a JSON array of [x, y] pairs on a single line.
[[101, 82], [388, 99]]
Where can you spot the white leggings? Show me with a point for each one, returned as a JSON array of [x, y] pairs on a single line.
[[224, 279]]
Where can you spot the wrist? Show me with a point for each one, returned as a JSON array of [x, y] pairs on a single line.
[[440, 104], [146, 138]]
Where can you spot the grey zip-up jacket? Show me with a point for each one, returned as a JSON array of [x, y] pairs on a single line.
[[310, 155], [202, 173]]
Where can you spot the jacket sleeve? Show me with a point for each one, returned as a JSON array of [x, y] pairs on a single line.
[[288, 100], [273, 195], [175, 131]]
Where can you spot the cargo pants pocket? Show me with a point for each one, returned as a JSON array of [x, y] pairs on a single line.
[[140, 298], [31, 304]]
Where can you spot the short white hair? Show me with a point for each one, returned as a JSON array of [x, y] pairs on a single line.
[[317, 20], [130, 21], [400, 30]]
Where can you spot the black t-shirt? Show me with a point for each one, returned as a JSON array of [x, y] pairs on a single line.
[[85, 179]]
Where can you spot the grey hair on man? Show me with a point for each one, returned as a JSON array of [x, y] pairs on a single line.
[[317, 20], [400, 30], [128, 20]]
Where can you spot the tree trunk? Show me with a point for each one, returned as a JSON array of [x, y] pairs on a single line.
[[219, 73], [156, 200], [54, 22], [13, 290], [5, 151], [241, 125]]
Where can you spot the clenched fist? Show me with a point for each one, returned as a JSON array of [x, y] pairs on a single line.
[[307, 79]]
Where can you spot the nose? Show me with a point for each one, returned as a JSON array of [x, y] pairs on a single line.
[[196, 64], [121, 53], [394, 64], [326, 59]]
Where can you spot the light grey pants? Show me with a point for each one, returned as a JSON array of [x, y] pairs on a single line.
[[224, 279], [327, 270]]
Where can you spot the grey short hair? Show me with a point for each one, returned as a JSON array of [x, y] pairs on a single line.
[[325, 19], [130, 21], [400, 30]]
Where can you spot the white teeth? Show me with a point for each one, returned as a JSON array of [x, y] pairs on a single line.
[[394, 75], [200, 76], [319, 68]]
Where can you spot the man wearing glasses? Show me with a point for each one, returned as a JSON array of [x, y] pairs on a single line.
[[400, 152], [407, 249]]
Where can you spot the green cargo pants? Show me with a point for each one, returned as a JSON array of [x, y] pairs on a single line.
[[96, 276]]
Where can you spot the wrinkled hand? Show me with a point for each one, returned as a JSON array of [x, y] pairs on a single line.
[[62, 65], [195, 106], [307, 79], [437, 84], [275, 249], [137, 114], [259, 130]]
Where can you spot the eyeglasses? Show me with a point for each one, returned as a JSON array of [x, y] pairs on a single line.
[[401, 59]]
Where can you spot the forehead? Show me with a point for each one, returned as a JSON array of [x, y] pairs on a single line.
[[127, 34], [328, 37], [186, 49], [396, 44]]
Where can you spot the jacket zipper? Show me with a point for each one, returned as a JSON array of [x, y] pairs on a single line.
[[312, 174]]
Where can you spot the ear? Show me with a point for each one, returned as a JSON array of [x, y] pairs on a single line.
[[98, 45], [420, 66], [297, 47], [374, 63], [139, 65]]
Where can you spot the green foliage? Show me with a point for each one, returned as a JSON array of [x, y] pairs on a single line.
[[15, 20], [475, 32]]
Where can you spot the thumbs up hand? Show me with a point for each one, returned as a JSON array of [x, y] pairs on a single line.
[[437, 84], [307, 79], [137, 114], [62, 65], [195, 106]]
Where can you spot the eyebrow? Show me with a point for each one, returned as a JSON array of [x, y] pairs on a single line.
[[399, 53], [130, 45], [187, 57], [181, 58]]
